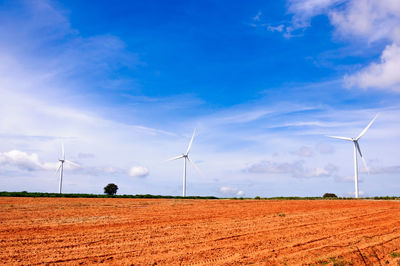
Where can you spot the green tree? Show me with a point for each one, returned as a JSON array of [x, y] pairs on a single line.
[[329, 195], [111, 189]]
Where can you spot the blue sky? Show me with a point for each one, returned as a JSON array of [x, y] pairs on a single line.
[[124, 85]]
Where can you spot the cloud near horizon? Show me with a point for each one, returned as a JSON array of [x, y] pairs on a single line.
[[296, 169], [231, 191]]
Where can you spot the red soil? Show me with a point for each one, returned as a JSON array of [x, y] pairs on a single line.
[[198, 232]]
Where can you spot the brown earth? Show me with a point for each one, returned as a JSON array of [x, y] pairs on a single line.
[[198, 232]]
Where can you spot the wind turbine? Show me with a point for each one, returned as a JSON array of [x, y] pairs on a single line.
[[61, 165], [357, 148], [185, 157]]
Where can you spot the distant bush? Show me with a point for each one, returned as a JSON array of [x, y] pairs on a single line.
[[257, 197], [294, 198], [385, 198], [149, 196], [329, 195], [57, 195]]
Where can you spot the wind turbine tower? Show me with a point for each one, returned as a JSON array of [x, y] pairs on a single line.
[[357, 149], [61, 166], [185, 157]]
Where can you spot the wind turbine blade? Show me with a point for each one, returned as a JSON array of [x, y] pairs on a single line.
[[72, 163], [365, 164], [365, 129], [358, 148], [195, 166], [63, 151], [345, 138], [362, 157], [58, 168], [191, 141], [174, 158]]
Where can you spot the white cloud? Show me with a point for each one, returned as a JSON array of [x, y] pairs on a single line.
[[366, 20], [138, 171], [383, 75], [231, 191], [327, 171], [24, 161]]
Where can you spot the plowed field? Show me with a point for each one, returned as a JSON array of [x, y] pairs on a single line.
[[198, 232]]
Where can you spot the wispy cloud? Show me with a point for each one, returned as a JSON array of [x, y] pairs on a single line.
[[278, 28], [394, 169], [304, 151], [304, 11], [83, 155], [324, 148], [257, 17], [241, 116], [257, 22], [295, 169], [42, 45]]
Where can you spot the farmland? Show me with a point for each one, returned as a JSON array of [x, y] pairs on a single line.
[[198, 232]]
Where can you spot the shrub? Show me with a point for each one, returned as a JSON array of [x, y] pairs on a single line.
[[257, 197], [111, 189], [329, 195], [395, 254]]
